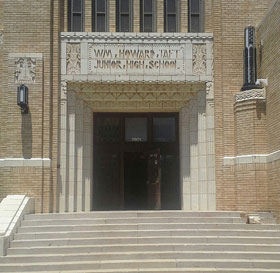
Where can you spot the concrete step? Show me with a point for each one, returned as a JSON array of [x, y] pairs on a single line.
[[146, 226], [175, 270], [143, 233], [146, 240], [134, 214], [72, 249], [133, 220], [152, 255], [141, 264]]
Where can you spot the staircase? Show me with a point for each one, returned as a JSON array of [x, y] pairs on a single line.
[[144, 241]]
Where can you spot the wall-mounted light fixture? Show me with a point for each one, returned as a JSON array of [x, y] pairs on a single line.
[[22, 98]]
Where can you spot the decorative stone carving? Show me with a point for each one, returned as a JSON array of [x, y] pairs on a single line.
[[73, 58], [199, 59], [1, 38], [25, 70], [87, 114], [254, 94]]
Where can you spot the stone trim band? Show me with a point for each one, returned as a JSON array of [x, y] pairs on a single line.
[[250, 159], [22, 162]]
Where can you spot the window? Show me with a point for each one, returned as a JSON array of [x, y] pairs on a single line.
[[171, 18], [124, 15], [100, 18], [76, 15], [164, 129], [147, 13], [136, 129], [196, 16]]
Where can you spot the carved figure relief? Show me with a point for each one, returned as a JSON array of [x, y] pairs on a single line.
[[199, 59], [73, 58], [25, 70]]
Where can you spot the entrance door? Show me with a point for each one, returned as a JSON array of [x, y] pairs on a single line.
[[136, 161], [153, 179], [135, 181]]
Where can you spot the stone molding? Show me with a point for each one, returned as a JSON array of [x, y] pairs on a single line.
[[251, 159], [254, 94], [162, 97], [22, 162], [136, 57], [141, 36]]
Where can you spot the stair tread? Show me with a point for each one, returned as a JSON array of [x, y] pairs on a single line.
[[146, 252]]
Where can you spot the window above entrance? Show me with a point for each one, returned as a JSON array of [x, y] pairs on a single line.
[[136, 130]]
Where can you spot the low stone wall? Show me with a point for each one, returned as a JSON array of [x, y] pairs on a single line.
[[12, 210]]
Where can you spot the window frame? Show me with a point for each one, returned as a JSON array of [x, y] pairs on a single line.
[[177, 14], [119, 13], [153, 13], [200, 16], [95, 13], [71, 15]]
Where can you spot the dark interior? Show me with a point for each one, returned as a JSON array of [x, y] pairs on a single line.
[[122, 143]]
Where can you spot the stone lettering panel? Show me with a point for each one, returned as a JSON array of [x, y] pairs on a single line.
[[130, 59]]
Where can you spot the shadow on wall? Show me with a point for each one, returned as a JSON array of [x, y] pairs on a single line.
[[26, 135]]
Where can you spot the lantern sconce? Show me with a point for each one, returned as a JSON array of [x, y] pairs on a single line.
[[22, 98]]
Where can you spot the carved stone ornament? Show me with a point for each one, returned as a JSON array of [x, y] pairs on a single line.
[[102, 97], [25, 70], [73, 58], [199, 59], [1, 38], [254, 94]]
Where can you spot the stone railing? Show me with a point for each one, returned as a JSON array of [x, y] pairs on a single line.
[[12, 210], [136, 57]]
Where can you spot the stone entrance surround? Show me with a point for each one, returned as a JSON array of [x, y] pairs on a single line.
[[137, 72]]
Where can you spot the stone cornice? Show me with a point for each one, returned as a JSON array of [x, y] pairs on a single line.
[[145, 37], [254, 94]]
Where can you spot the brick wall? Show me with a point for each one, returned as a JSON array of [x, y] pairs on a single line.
[[33, 135], [229, 18], [34, 27], [269, 35]]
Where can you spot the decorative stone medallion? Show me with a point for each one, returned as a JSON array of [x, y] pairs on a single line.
[[25, 70], [199, 59], [73, 58]]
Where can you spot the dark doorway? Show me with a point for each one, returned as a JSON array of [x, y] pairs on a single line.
[[135, 181], [136, 161]]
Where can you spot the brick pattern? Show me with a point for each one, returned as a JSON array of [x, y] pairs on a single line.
[[26, 32], [32, 135], [227, 24], [269, 34]]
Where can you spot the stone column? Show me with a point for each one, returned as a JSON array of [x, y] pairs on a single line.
[[197, 152], [79, 152], [63, 148], [87, 158], [72, 178]]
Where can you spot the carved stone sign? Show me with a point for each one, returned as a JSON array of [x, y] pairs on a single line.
[[125, 57], [134, 59]]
